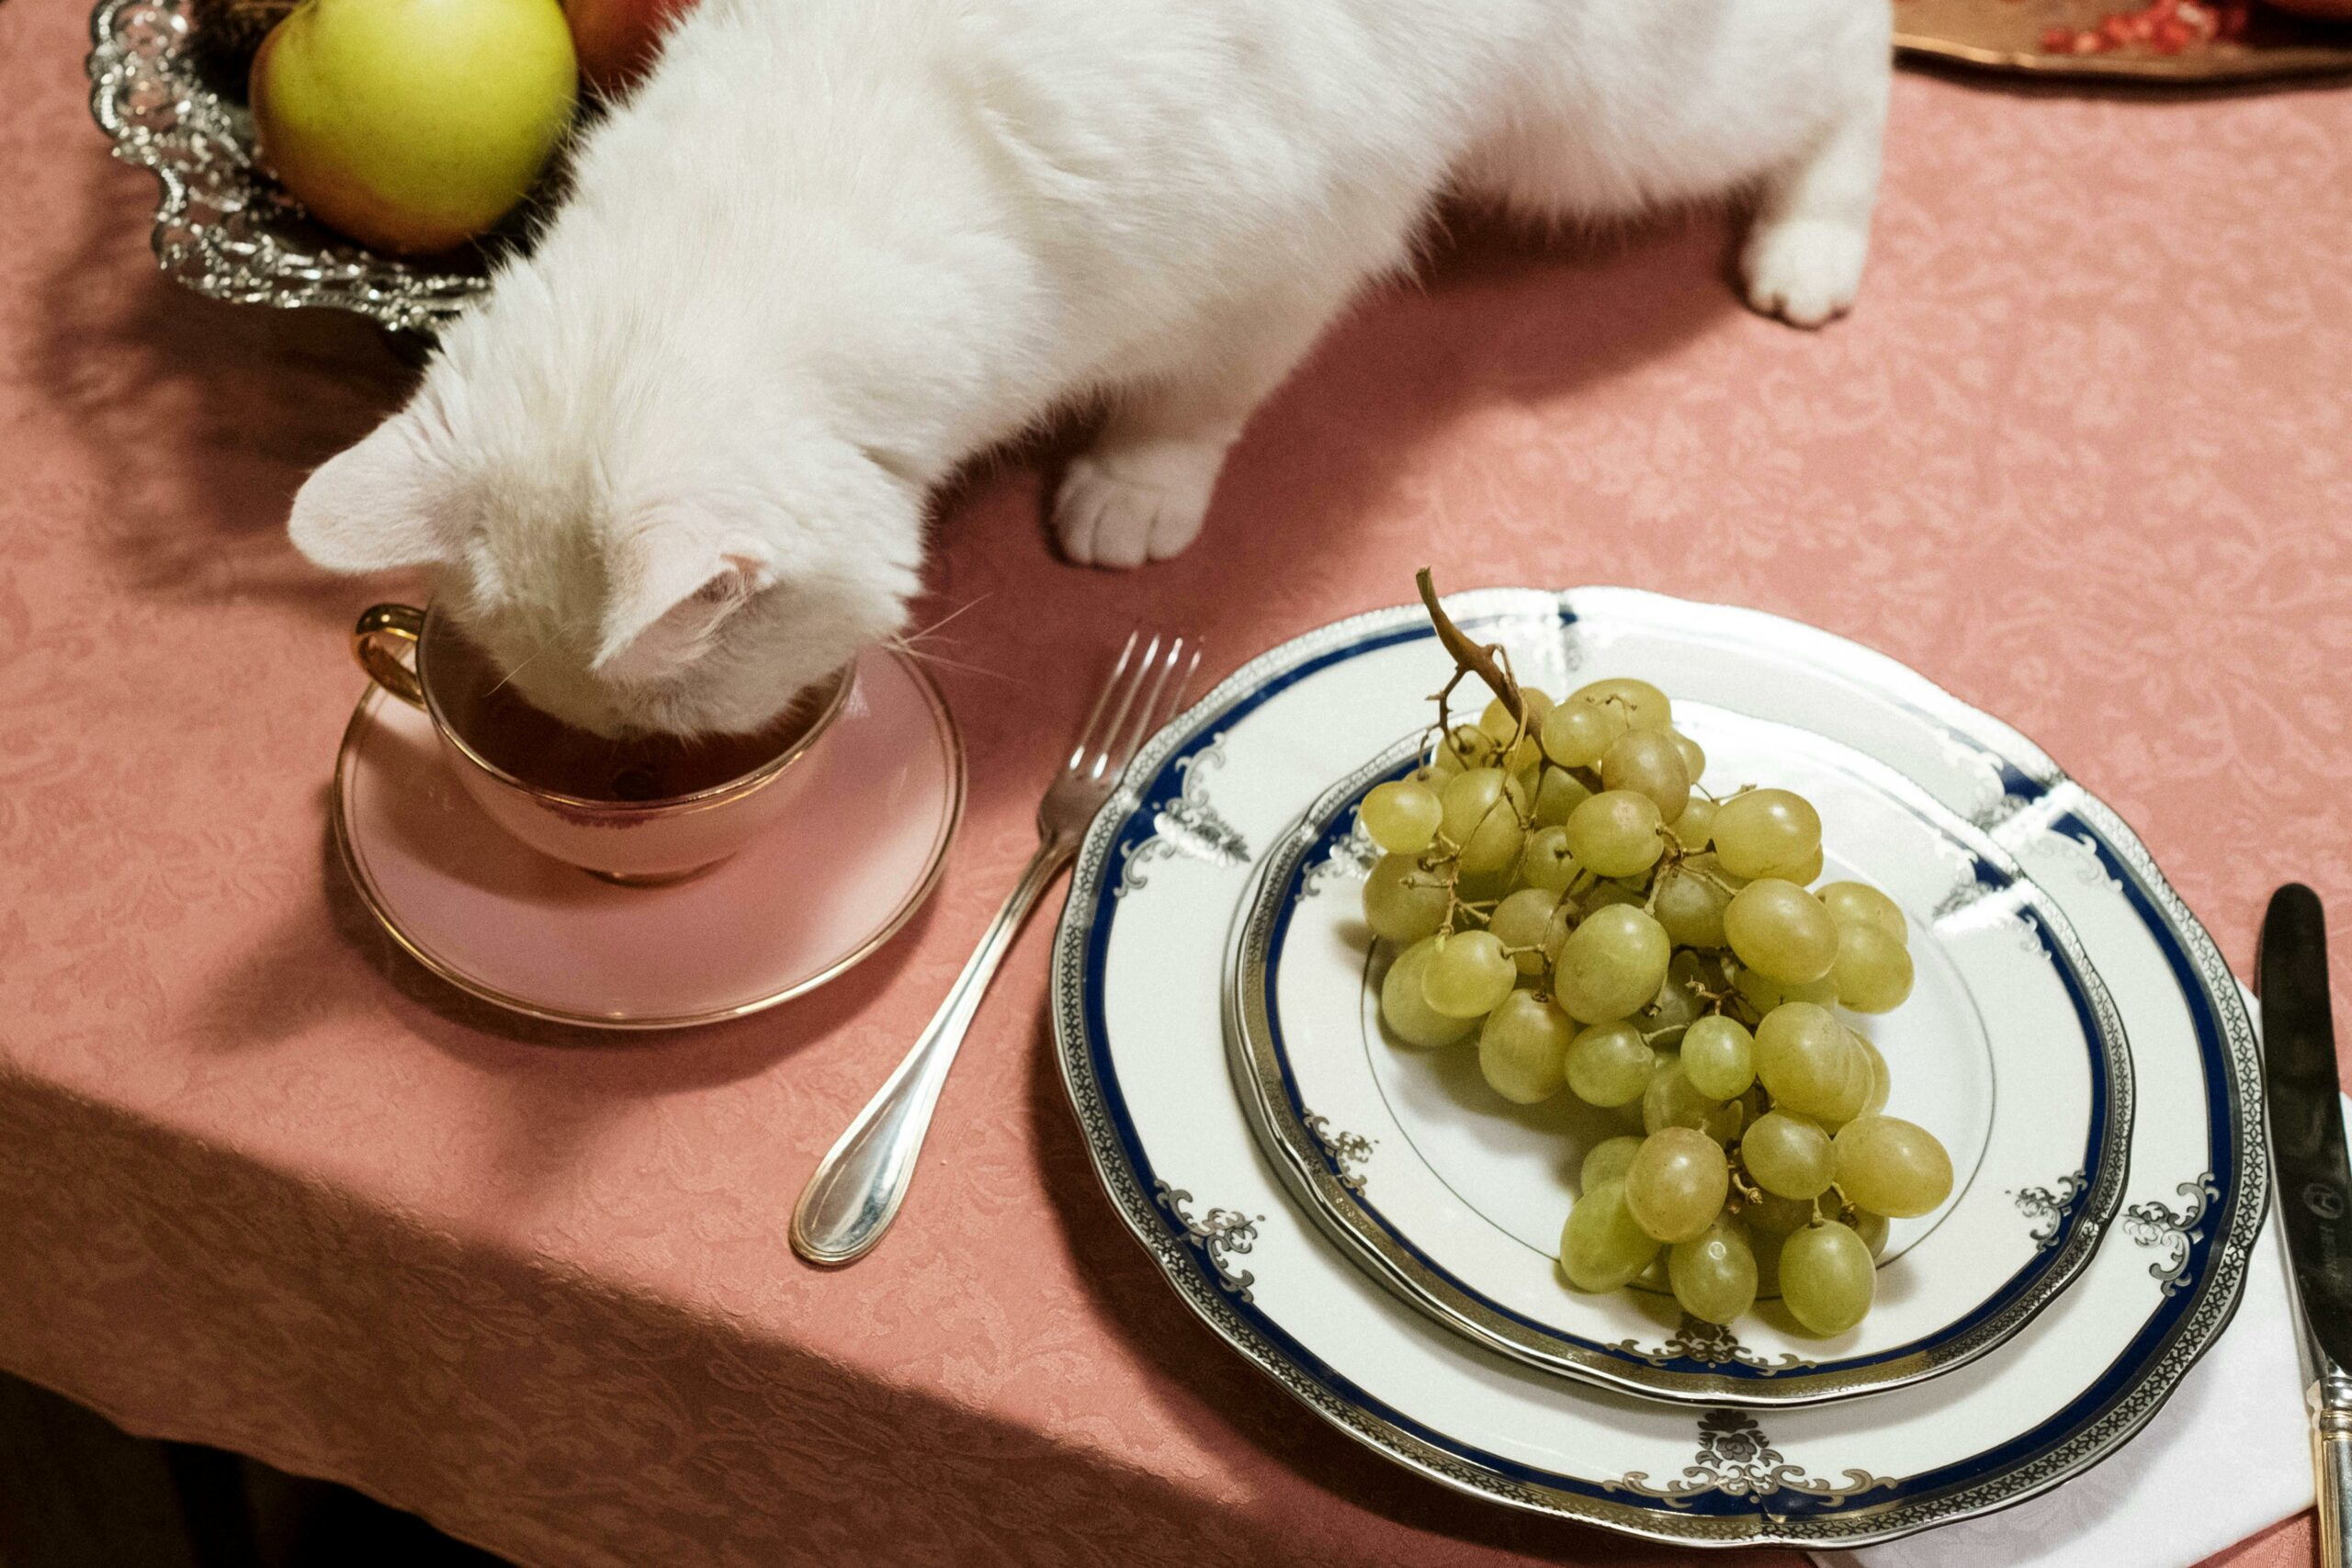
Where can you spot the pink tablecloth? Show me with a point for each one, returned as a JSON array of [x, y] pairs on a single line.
[[2083, 455]]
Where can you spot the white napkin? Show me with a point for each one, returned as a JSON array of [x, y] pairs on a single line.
[[2232, 1440]]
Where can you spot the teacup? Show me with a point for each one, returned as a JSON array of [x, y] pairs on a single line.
[[641, 813]]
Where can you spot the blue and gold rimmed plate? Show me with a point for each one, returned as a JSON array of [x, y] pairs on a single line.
[[1139, 1009], [2009, 1049]]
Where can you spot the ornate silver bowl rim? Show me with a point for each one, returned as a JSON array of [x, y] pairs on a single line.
[[222, 226]]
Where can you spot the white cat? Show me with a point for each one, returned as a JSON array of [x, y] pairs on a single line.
[[674, 466]]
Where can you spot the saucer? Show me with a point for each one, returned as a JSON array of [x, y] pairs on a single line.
[[803, 903]]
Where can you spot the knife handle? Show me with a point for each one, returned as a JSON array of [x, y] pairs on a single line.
[[2329, 1401]]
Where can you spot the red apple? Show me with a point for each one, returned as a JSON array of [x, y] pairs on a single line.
[[616, 39]]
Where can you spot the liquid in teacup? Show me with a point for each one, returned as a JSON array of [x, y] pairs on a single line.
[[482, 706]]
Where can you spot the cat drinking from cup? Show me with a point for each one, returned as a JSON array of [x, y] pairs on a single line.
[[673, 469]]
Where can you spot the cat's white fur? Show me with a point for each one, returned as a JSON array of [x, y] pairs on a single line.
[[674, 466]]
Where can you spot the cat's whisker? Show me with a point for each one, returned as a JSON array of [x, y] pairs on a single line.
[[941, 662], [907, 638], [525, 664]]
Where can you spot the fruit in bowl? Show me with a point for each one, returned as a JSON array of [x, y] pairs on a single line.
[[616, 39], [413, 125]]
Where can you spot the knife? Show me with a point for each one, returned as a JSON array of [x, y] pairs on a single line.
[[2314, 1186]]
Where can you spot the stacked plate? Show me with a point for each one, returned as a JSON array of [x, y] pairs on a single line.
[[1377, 1230]]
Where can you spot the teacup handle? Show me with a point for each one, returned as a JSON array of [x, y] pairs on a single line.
[[380, 626]]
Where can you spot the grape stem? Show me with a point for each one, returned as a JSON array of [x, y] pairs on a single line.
[[1468, 655]]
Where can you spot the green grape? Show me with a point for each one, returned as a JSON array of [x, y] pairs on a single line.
[[1557, 793], [1487, 887], [1498, 723], [1671, 1101], [1719, 1056], [1610, 1065], [1872, 970], [1859, 904], [1611, 965], [1701, 974], [1873, 1229], [1443, 765], [1853, 1089], [1882, 1081], [1761, 831], [1675, 1009], [1524, 920], [1523, 1048], [1402, 1008], [1481, 814], [1401, 816], [1694, 759], [1891, 1167], [1545, 861], [1645, 707], [1604, 895], [1805, 872], [1695, 829], [1765, 994], [1788, 1155], [1714, 1273], [1800, 1054], [1607, 1160], [1689, 907], [1601, 1248], [1777, 928], [1677, 1183], [1629, 1116], [1402, 902], [1615, 833], [1774, 1215], [1575, 733], [1647, 762], [1469, 747], [1827, 1278], [1469, 974]]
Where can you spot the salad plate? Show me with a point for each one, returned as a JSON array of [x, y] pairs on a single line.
[[2009, 1049], [1138, 1003]]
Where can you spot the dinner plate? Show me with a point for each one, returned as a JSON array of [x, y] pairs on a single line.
[[815, 894], [1138, 1005], [2008, 1049]]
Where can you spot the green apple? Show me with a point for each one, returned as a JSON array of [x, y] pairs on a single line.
[[411, 125]]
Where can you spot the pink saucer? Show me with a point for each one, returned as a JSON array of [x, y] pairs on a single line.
[[860, 852]]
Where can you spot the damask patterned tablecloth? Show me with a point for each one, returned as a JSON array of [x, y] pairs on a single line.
[[2083, 455]]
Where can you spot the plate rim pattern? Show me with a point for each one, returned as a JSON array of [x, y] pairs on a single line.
[[2175, 1336]]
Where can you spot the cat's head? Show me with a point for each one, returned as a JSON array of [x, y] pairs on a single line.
[[640, 558]]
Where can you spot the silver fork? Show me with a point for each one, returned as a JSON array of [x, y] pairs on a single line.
[[856, 1193]]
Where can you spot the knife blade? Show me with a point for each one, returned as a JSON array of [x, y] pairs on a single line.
[[2306, 1116], [2314, 1186]]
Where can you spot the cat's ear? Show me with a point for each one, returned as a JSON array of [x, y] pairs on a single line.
[[372, 507], [670, 585]]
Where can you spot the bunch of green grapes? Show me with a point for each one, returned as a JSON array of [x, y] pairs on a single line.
[[1557, 887]]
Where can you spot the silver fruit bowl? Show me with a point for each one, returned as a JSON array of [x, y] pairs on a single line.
[[222, 226]]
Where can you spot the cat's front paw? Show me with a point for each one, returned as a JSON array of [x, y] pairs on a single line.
[[1124, 503], [1804, 270]]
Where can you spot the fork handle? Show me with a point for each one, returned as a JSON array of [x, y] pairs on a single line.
[[858, 1186]]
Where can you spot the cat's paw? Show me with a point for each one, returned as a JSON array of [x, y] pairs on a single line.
[[1804, 270], [1124, 503]]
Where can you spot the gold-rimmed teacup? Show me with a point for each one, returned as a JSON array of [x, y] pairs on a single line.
[[660, 818]]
